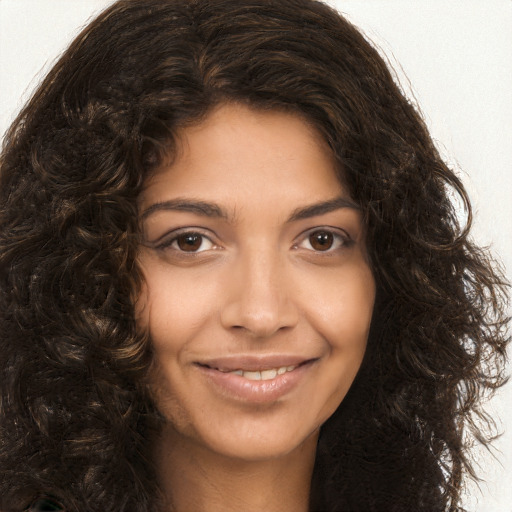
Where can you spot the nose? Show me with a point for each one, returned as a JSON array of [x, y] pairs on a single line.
[[259, 296]]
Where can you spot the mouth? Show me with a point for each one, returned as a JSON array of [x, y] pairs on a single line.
[[257, 380], [262, 374]]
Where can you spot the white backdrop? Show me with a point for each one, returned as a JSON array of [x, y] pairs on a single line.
[[453, 56]]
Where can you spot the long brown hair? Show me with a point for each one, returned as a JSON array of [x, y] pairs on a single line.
[[76, 417]]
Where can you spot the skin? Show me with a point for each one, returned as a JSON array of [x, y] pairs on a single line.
[[264, 274]]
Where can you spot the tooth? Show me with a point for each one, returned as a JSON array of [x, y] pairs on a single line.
[[281, 370], [252, 375], [290, 368], [268, 374], [237, 372]]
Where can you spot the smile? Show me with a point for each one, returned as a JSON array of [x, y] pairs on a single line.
[[257, 382], [261, 374]]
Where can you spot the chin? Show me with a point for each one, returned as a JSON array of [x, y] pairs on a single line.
[[259, 448]]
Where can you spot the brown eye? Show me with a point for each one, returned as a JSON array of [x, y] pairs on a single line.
[[321, 240], [189, 242], [324, 241], [186, 242]]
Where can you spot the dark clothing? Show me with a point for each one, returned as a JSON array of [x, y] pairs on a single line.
[[45, 505]]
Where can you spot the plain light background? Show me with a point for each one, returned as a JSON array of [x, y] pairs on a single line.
[[452, 57]]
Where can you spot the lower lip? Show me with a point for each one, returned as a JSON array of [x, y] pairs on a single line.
[[256, 391]]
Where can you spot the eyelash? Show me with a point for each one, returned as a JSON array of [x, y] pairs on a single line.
[[340, 240], [169, 242]]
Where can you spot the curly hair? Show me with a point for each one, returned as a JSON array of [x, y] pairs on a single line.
[[77, 419]]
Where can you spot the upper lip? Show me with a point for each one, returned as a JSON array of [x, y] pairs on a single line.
[[253, 362]]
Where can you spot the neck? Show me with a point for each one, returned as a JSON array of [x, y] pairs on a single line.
[[195, 478]]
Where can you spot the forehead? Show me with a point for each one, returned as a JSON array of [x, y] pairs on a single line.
[[238, 153]]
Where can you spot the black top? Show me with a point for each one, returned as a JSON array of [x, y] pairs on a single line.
[[45, 505]]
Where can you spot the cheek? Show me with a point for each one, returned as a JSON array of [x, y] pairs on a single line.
[[174, 305], [340, 307], [171, 310], [340, 310]]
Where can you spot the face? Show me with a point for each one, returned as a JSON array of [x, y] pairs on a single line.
[[258, 295]]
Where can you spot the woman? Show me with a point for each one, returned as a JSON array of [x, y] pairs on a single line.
[[232, 277]]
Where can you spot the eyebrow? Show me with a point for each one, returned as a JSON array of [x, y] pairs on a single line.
[[187, 205], [208, 209], [322, 208]]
